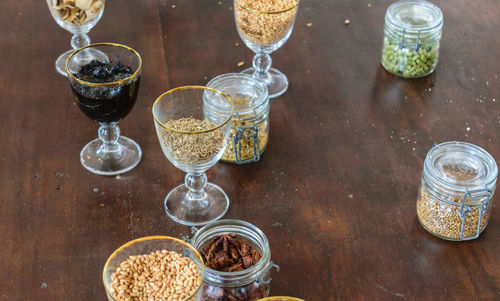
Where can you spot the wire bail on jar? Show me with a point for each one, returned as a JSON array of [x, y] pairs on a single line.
[[402, 42], [266, 271], [466, 209], [240, 134]]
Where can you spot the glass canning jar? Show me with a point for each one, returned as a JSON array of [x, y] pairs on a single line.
[[412, 32], [455, 196], [250, 126], [246, 285]]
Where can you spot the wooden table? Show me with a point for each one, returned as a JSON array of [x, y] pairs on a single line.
[[334, 192]]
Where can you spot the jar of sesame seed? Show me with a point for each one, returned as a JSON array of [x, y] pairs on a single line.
[[412, 33], [456, 192], [250, 125]]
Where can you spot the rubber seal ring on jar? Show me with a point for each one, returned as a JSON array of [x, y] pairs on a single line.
[[465, 210], [255, 139], [266, 270]]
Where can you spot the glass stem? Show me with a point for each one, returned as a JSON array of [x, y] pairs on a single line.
[[196, 183], [261, 64], [109, 134], [80, 40]]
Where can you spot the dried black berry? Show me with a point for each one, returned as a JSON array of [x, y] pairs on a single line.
[[103, 72]]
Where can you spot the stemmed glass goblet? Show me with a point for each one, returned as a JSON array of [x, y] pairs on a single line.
[[77, 17], [264, 26], [106, 92], [193, 144]]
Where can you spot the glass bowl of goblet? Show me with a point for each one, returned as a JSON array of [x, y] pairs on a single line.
[[264, 26], [78, 17], [146, 246], [106, 91], [193, 144]]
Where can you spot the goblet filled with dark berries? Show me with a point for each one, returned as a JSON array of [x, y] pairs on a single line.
[[106, 91]]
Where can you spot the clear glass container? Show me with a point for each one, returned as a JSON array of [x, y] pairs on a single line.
[[77, 17], [146, 245], [107, 103], [455, 196], [193, 144], [250, 126], [246, 285], [412, 33], [264, 26]]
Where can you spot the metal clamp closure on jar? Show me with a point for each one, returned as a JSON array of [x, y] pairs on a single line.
[[251, 131], [411, 39], [466, 209]]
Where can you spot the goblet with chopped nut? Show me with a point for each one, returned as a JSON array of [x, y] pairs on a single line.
[[264, 26], [193, 144], [77, 17]]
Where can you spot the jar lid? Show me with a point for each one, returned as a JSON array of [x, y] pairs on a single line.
[[414, 15], [249, 95], [460, 167]]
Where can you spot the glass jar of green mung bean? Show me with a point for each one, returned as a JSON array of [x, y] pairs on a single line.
[[412, 32]]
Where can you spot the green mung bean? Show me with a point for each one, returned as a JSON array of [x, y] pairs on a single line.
[[408, 62]]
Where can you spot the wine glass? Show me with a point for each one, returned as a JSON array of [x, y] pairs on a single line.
[[77, 17], [265, 26], [193, 144], [106, 92]]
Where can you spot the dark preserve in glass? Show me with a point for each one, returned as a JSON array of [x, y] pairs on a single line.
[[105, 103]]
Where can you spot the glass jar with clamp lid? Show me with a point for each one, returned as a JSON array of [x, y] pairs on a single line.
[[412, 33], [250, 126], [455, 197]]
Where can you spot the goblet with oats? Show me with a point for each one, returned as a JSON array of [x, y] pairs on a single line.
[[78, 17], [193, 144], [264, 26]]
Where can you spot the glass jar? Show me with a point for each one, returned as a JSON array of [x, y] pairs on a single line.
[[455, 196], [250, 126], [412, 32], [249, 284]]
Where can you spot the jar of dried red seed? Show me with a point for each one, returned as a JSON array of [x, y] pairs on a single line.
[[250, 283]]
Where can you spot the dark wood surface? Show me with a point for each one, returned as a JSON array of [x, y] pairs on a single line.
[[334, 192]]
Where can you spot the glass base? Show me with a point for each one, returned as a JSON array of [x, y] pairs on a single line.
[[114, 163], [196, 212], [84, 57], [276, 82]]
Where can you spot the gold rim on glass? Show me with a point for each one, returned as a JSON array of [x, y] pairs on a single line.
[[267, 12], [276, 298], [118, 82], [160, 237], [187, 88]]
